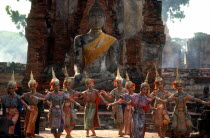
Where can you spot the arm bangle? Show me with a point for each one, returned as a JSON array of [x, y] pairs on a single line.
[[203, 102]]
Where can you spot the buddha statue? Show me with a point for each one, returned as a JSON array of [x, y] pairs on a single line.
[[96, 52]]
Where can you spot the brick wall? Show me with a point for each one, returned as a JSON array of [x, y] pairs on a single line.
[[52, 26]]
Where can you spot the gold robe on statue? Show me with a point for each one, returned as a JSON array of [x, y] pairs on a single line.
[[92, 51]]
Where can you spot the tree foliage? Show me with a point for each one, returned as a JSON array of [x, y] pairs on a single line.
[[200, 34], [171, 9], [17, 18]]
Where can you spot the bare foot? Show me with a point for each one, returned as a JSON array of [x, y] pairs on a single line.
[[93, 135], [69, 136], [121, 134], [87, 134]]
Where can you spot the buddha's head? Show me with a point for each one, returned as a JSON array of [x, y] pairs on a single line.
[[96, 16]]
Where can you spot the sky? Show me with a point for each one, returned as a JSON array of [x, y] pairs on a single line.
[[196, 20], [23, 6]]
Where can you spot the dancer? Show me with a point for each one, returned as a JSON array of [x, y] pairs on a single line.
[[70, 113], [11, 102], [127, 110], [56, 114], [160, 115], [139, 101], [181, 122], [91, 99], [117, 111], [31, 116]]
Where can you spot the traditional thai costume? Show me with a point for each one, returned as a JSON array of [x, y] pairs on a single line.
[[32, 117], [56, 114], [160, 115], [68, 108], [117, 109], [127, 110], [10, 106], [91, 118], [139, 101], [70, 113], [181, 120], [91, 99]]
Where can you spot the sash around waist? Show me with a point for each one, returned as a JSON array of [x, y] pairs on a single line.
[[11, 109], [90, 104]]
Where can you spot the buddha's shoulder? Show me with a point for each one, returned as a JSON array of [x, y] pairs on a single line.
[[81, 36]]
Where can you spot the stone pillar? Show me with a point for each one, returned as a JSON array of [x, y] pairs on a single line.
[[153, 37], [37, 35]]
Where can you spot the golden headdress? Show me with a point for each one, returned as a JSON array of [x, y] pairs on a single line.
[[12, 82], [178, 79], [158, 78], [128, 82], [127, 76], [87, 78], [54, 80], [118, 77], [32, 81], [67, 78], [145, 83]]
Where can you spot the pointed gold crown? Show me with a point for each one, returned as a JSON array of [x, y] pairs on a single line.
[[178, 78], [87, 78], [145, 83], [31, 81], [96, 7], [157, 78], [128, 82], [118, 77], [12, 82], [67, 78], [127, 76], [54, 79]]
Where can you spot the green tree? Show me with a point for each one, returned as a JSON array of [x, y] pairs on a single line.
[[171, 9], [200, 34], [17, 18]]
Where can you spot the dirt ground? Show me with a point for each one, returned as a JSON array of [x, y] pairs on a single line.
[[100, 134]]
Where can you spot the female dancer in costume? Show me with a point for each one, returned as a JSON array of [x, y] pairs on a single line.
[[117, 111], [31, 116], [70, 113], [181, 122], [160, 115], [11, 102]]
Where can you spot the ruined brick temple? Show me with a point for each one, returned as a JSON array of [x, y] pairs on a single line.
[[53, 24]]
